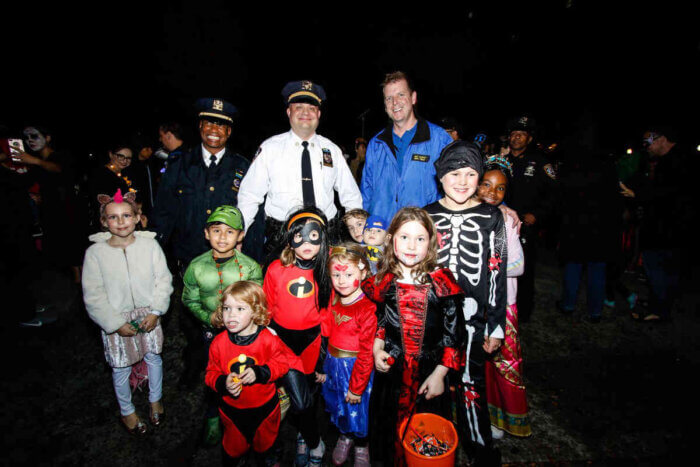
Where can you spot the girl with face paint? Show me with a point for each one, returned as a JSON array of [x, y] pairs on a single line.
[[419, 330], [52, 171], [350, 323], [38, 141], [297, 287]]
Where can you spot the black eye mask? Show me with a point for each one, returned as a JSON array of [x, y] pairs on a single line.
[[305, 233]]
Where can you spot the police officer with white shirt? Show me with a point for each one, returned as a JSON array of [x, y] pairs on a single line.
[[297, 168]]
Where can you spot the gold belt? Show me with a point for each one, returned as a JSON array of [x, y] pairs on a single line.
[[340, 353]]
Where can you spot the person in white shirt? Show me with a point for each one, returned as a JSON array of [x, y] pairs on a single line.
[[297, 168]]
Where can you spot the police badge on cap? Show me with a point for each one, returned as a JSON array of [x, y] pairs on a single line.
[[303, 91], [210, 108]]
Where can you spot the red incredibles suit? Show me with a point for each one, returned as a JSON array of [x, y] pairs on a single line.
[[291, 299], [252, 419], [422, 327]]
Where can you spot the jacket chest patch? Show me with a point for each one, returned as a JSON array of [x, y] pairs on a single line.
[[420, 158], [530, 170]]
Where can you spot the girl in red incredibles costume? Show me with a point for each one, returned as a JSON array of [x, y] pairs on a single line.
[[419, 330], [243, 364], [350, 323], [297, 286]]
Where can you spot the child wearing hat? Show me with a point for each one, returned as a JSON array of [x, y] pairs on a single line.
[[373, 238], [204, 282]]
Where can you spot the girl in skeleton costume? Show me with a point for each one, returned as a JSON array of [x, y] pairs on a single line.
[[419, 330], [472, 243], [297, 286], [504, 380]]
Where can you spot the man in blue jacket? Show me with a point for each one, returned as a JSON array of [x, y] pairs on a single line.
[[399, 167]]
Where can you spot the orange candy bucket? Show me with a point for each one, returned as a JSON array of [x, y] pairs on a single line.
[[429, 424]]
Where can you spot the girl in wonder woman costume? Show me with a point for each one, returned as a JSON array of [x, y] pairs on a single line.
[[419, 330], [350, 323], [297, 286]]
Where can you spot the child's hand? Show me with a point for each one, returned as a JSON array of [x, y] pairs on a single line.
[[352, 398], [320, 377], [248, 376], [149, 323], [434, 385], [215, 320], [233, 384], [127, 330], [380, 361], [492, 344]]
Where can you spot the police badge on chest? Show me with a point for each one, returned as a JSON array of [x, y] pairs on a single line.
[[530, 170]]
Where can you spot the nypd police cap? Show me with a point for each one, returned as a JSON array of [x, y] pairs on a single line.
[[524, 123], [303, 91], [215, 108]]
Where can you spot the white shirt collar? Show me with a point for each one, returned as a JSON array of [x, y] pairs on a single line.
[[206, 155], [297, 140]]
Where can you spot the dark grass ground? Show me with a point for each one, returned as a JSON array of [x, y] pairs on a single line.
[[619, 392]]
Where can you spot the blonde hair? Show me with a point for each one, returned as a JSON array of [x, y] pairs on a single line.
[[390, 264], [247, 292]]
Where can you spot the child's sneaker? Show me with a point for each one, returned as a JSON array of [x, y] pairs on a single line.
[[302, 457], [609, 303], [496, 433], [362, 456], [341, 450], [316, 454]]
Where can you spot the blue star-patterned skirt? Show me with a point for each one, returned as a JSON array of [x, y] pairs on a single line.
[[349, 418]]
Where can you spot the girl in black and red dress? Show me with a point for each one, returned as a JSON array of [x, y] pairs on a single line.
[[419, 330]]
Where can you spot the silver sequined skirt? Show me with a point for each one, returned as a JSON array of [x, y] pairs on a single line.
[[121, 351]]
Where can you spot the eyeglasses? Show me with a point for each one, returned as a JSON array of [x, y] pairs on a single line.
[[122, 157]]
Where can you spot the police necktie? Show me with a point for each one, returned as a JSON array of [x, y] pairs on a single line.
[[212, 162], [307, 180]]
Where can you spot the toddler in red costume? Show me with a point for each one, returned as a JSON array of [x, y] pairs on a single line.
[[243, 364]]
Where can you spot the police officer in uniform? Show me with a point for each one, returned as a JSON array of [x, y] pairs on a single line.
[[297, 168], [192, 187], [531, 194], [198, 182]]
